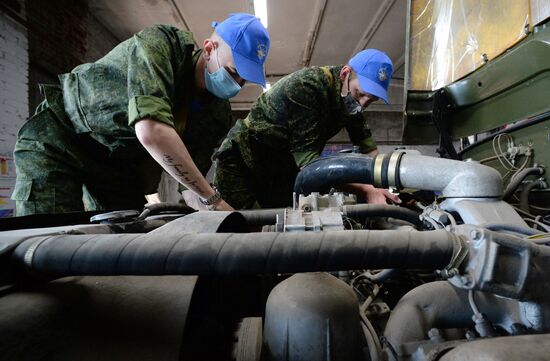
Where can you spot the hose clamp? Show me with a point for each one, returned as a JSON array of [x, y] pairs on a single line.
[[378, 169], [29, 254], [460, 252], [393, 168]]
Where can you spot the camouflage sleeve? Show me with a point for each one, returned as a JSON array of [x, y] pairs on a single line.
[[302, 96], [360, 134], [151, 75]]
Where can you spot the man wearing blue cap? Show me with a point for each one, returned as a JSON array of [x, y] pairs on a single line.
[[101, 139], [290, 124]]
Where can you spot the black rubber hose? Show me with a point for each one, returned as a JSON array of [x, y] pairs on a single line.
[[234, 253], [324, 173], [261, 217], [516, 181], [269, 216], [382, 210], [156, 208], [524, 195]]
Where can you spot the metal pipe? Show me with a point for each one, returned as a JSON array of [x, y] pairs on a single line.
[[454, 179], [156, 253], [440, 305]]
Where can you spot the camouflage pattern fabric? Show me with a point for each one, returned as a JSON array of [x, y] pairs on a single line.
[[286, 128], [81, 144]]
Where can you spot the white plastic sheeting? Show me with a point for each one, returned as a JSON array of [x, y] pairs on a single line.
[[451, 38]]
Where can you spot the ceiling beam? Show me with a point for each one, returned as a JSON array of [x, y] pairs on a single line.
[[175, 7], [399, 63], [320, 7], [374, 25]]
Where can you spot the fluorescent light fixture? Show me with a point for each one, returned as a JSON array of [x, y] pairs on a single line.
[[260, 10], [267, 87]]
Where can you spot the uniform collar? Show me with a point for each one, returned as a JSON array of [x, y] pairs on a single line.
[[337, 86]]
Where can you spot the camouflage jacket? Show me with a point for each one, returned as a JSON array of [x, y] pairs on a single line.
[[150, 75], [299, 114]]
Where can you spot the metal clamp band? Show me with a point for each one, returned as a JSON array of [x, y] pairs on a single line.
[[378, 169]]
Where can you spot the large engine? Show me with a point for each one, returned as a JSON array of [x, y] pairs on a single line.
[[455, 273]]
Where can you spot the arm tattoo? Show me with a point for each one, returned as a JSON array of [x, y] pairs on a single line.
[[169, 161]]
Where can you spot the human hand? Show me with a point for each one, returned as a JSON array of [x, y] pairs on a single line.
[[220, 205], [379, 195]]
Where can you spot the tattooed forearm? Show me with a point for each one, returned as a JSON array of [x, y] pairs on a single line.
[[169, 161]]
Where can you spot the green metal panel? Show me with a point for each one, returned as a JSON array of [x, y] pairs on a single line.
[[514, 86], [537, 136]]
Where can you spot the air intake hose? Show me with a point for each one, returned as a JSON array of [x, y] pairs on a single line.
[[454, 179], [324, 173]]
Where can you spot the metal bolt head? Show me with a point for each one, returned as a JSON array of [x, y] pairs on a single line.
[[434, 332], [466, 281], [476, 235]]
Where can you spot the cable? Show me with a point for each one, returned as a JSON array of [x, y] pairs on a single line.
[[521, 211], [482, 325], [375, 348], [371, 344], [485, 160], [540, 238], [524, 196], [500, 227], [540, 224], [369, 299], [518, 177], [472, 302]]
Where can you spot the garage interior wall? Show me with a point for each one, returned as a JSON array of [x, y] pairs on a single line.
[[39, 40]]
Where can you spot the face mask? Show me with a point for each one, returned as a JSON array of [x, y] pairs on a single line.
[[221, 83], [351, 105]]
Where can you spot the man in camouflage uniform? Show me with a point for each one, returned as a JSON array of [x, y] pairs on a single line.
[[289, 125], [101, 140]]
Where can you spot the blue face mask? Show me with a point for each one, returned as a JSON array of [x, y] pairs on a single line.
[[221, 83]]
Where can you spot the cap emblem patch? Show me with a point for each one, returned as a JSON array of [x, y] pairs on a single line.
[[261, 51], [382, 74]]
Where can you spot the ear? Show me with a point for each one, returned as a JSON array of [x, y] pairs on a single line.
[[345, 72], [207, 46]]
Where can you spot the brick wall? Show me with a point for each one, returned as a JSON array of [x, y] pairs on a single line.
[[62, 35], [38, 40], [13, 101], [13, 81]]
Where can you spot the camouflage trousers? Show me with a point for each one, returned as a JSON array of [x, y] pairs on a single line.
[[270, 185], [60, 171]]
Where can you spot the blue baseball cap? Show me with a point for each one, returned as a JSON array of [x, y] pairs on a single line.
[[249, 43], [374, 70]]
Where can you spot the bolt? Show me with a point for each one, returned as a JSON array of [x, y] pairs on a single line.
[[476, 235], [466, 280], [435, 335]]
